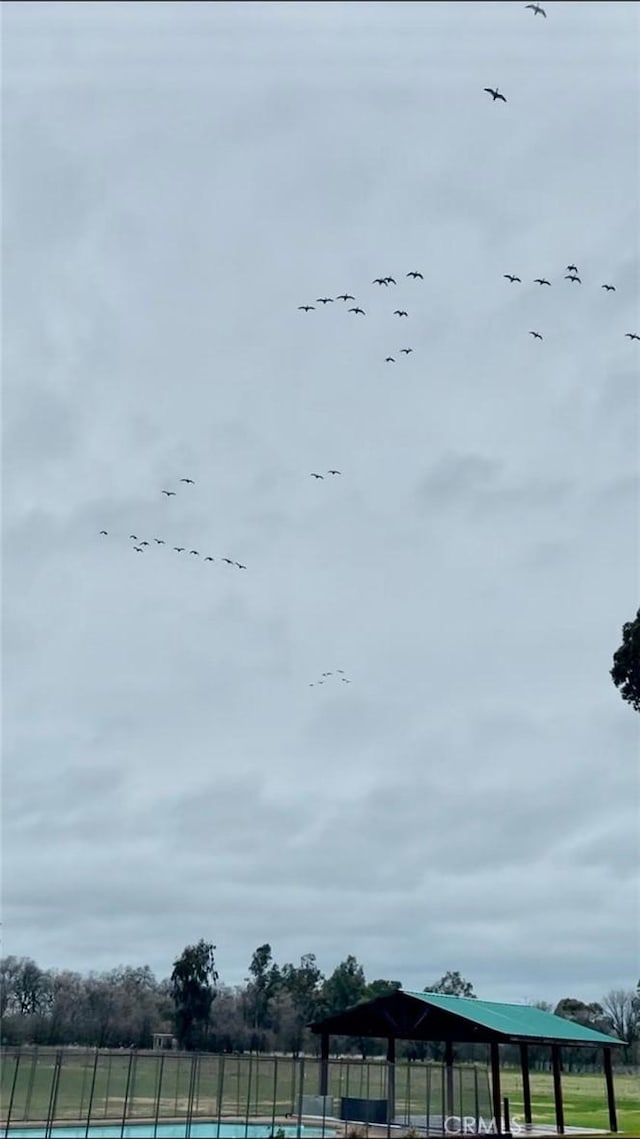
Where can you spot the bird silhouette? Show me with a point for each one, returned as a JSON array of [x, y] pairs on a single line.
[[105, 532], [541, 281], [144, 543], [315, 476], [400, 312], [415, 275], [360, 310], [344, 680], [536, 335], [138, 550], [195, 552], [572, 268], [179, 549], [189, 481], [307, 308], [345, 297], [327, 674], [632, 335], [537, 10], [406, 350], [496, 94], [159, 541], [169, 493], [573, 277], [380, 281], [390, 281], [229, 561], [134, 537], [324, 300], [341, 671], [333, 472], [240, 566], [510, 277], [609, 288], [389, 360], [208, 559]]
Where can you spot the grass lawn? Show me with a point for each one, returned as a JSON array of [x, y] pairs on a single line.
[[268, 1087]]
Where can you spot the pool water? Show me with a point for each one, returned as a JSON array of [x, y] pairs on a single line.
[[210, 1130]]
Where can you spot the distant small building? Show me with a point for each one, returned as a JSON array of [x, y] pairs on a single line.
[[164, 1040]]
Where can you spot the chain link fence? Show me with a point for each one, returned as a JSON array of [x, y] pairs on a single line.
[[104, 1093]]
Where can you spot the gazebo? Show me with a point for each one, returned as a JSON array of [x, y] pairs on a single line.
[[403, 1015]]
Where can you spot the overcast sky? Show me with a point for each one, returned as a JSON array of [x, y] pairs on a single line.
[[177, 179]]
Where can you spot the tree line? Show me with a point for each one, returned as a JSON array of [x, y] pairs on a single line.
[[269, 1013]]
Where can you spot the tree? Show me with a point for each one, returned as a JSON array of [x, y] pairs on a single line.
[[261, 989], [623, 1012], [381, 988], [453, 985], [626, 663], [344, 988], [193, 986]]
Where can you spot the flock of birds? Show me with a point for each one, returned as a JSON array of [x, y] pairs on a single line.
[[140, 545], [338, 675], [571, 275], [358, 311]]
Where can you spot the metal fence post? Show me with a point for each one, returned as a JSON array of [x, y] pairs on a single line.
[[108, 1086], [92, 1091], [275, 1094], [300, 1095], [12, 1093], [158, 1094], [26, 1115], [247, 1109], [190, 1093], [126, 1095], [53, 1097], [220, 1090]]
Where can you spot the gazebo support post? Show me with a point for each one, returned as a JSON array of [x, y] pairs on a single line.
[[324, 1064], [526, 1083], [611, 1098], [557, 1088], [495, 1086], [391, 1079], [448, 1071]]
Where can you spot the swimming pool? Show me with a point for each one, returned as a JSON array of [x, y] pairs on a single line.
[[201, 1130]]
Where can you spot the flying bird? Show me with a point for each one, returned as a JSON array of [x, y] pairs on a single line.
[[573, 277], [632, 335], [536, 335], [537, 10], [144, 543], [415, 275], [194, 552], [380, 281], [327, 674], [496, 94], [510, 277], [105, 532], [344, 680], [240, 566], [208, 559], [315, 476], [159, 541], [333, 472], [228, 561], [541, 281], [389, 360], [360, 310], [134, 537], [400, 312], [306, 308], [189, 481], [324, 300], [179, 549], [169, 493], [345, 297], [390, 281], [406, 350], [138, 550], [341, 671], [572, 268], [609, 288]]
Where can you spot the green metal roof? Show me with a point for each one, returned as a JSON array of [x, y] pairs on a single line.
[[516, 1020]]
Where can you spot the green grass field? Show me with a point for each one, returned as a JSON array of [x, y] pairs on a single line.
[[268, 1087]]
